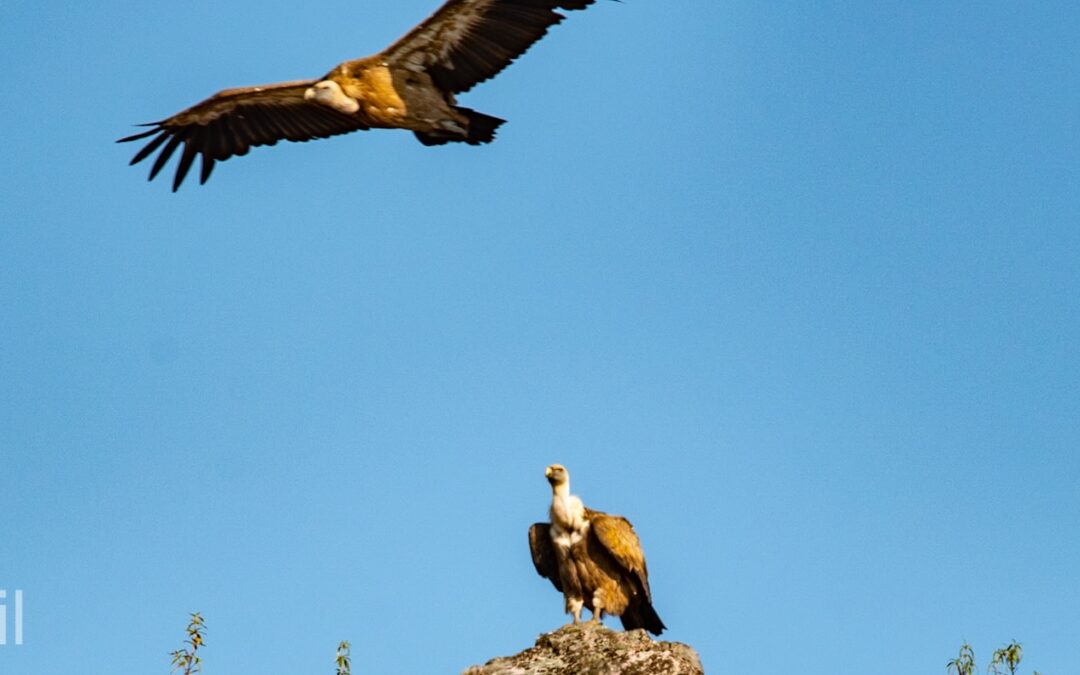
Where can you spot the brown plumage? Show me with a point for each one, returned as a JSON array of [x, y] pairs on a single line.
[[409, 85], [593, 558]]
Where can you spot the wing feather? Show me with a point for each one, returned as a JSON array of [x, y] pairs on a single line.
[[617, 535], [468, 41], [149, 147], [166, 153], [231, 122], [543, 553], [186, 158], [255, 127], [233, 137], [207, 165]]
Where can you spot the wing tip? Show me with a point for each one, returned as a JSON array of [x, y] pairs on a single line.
[[141, 134]]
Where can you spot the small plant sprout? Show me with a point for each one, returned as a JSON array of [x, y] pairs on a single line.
[[1008, 656], [964, 663], [186, 659], [343, 660], [1004, 661]]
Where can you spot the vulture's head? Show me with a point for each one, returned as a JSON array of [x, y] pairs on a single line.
[[329, 93], [557, 475]]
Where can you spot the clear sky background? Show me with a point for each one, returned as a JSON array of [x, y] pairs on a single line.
[[794, 286]]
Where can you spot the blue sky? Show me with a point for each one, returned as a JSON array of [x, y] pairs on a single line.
[[792, 286]]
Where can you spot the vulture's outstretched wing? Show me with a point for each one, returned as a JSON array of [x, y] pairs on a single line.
[[468, 41], [543, 553], [617, 535], [232, 121]]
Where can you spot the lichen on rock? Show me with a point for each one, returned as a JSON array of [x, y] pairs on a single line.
[[591, 649]]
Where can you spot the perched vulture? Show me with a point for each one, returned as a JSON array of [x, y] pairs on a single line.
[[409, 85], [593, 558]]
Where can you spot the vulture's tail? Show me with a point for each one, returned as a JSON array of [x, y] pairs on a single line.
[[481, 130], [642, 616]]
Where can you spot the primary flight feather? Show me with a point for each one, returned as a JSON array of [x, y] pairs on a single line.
[[409, 85]]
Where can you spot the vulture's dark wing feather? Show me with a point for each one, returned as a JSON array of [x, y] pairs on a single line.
[[233, 121], [468, 41], [543, 553]]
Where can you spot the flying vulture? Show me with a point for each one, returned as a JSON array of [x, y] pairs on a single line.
[[409, 85], [593, 558]]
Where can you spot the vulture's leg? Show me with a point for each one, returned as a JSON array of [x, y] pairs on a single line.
[[573, 606], [598, 607]]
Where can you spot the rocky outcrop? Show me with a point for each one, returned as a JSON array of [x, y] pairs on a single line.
[[589, 649]]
